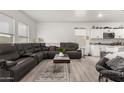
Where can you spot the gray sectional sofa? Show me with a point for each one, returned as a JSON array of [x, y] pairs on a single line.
[[16, 60]]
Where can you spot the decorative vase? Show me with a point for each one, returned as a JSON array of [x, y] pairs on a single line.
[[61, 54]]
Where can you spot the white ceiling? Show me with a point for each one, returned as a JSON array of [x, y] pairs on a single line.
[[76, 15]]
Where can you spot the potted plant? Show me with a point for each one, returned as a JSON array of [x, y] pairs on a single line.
[[61, 51]]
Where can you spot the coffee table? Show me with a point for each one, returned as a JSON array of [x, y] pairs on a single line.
[[61, 59]]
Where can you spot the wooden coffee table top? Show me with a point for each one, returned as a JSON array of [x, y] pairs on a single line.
[[61, 59]]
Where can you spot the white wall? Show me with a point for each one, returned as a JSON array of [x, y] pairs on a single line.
[[20, 16], [56, 32]]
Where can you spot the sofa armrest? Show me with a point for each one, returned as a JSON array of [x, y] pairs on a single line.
[[100, 68], [6, 64], [30, 55], [5, 75], [100, 65], [111, 73], [10, 63], [2, 63], [78, 50], [27, 55], [33, 56]]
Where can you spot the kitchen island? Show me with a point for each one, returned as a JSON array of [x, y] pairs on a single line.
[[95, 49]]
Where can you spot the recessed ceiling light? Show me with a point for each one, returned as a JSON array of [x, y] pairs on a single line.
[[100, 15]]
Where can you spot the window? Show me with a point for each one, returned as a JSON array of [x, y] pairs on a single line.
[[23, 33], [6, 29], [4, 38]]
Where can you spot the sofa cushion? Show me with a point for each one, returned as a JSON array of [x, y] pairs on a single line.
[[42, 44], [51, 54], [116, 63], [44, 47], [28, 48], [39, 55], [36, 47], [45, 54], [52, 48], [74, 54], [8, 52], [20, 49], [69, 46]]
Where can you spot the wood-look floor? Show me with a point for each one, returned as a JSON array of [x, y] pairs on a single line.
[[82, 70]]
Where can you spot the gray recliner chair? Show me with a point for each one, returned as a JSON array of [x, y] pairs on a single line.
[[106, 72]]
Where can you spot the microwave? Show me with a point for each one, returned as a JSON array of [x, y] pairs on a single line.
[[108, 35]]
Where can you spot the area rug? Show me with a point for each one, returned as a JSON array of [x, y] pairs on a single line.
[[60, 75]]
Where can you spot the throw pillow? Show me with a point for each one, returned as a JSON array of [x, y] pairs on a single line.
[[116, 63], [111, 56]]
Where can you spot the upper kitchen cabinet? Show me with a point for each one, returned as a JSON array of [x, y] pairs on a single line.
[[119, 33], [96, 34]]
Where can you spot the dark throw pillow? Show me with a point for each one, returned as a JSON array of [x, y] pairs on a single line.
[[116, 63]]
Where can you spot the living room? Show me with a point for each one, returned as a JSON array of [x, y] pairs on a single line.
[[44, 38], [61, 46], [24, 34]]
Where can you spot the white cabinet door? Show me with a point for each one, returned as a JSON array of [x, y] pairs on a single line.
[[119, 33], [96, 33], [122, 33]]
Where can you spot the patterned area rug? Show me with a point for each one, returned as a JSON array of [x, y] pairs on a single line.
[[60, 75]]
